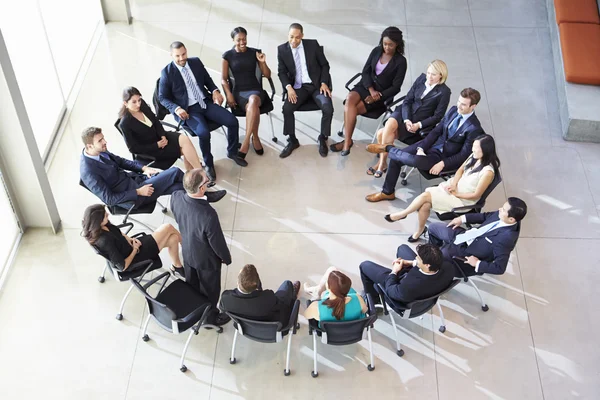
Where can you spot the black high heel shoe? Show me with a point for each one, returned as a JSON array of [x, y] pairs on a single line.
[[388, 218], [411, 239], [260, 151], [242, 155]]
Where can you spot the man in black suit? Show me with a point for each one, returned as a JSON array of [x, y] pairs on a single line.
[[189, 93], [445, 148], [483, 250], [412, 277], [249, 300], [203, 243], [304, 74]]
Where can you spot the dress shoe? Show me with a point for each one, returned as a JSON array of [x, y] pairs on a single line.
[[260, 151], [238, 160], [388, 218], [211, 173], [344, 153], [213, 197], [291, 146], [411, 238], [242, 155], [375, 197], [377, 148], [296, 285], [178, 272], [322, 146], [220, 319]]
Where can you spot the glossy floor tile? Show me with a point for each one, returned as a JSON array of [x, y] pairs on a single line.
[[294, 218]]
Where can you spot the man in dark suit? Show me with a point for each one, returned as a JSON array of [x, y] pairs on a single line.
[[203, 243], [304, 74], [445, 148], [412, 277], [249, 300], [105, 174], [184, 90], [483, 250]]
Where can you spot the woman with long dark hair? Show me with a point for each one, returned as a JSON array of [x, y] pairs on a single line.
[[338, 303], [144, 134], [247, 93], [463, 189], [382, 78], [122, 250]]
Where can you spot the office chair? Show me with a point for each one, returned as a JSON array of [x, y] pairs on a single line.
[[132, 209], [340, 333], [267, 105], [176, 308], [465, 278], [373, 114], [411, 310], [444, 174], [134, 271], [266, 332]]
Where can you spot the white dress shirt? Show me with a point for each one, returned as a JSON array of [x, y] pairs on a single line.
[[501, 224], [191, 99], [428, 88], [305, 76], [97, 158]]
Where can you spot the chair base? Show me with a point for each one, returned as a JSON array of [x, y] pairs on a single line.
[[442, 329], [314, 374], [400, 353], [119, 317], [145, 338], [232, 361], [287, 372], [183, 368], [101, 279], [484, 307], [370, 367]]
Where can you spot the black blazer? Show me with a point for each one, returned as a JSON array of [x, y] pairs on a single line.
[[493, 248], [260, 305], [139, 137], [428, 110], [415, 285], [389, 82], [458, 147], [316, 64], [203, 243]]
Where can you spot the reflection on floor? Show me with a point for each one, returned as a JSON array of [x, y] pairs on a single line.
[[293, 218]]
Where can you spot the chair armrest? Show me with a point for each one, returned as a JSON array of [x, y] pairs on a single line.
[[127, 214], [394, 103], [447, 174], [371, 310], [293, 317], [465, 209], [199, 314], [129, 226], [352, 80], [457, 267], [283, 96], [139, 234], [169, 125], [156, 279], [272, 87]]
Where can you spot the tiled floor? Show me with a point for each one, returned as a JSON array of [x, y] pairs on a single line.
[[294, 218]]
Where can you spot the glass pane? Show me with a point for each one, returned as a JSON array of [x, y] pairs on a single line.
[[9, 228]]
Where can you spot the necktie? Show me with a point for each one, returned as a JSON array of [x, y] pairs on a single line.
[[454, 127], [195, 89], [298, 81], [472, 234]]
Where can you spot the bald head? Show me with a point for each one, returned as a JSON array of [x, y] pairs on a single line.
[[194, 182]]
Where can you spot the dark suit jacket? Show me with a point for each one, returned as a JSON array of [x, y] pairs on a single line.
[[415, 285], [172, 92], [139, 137], [109, 180], [390, 80], [493, 248], [260, 305], [428, 110], [316, 64], [204, 246], [458, 147]]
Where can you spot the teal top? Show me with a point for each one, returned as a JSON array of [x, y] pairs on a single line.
[[352, 312]]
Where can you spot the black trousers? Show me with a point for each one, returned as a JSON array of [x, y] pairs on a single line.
[[407, 156], [304, 93], [207, 282], [442, 235], [372, 274]]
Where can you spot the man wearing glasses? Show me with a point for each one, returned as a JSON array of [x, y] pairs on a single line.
[[203, 242]]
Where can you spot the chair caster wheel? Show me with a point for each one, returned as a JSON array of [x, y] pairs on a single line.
[[145, 338], [442, 329], [274, 140], [403, 175], [485, 307], [164, 210], [404, 182], [297, 326], [119, 317], [232, 361], [220, 330], [183, 368], [370, 367], [314, 374], [101, 279], [286, 372], [400, 353], [340, 134]]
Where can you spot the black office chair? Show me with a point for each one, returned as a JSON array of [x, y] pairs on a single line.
[[147, 208], [266, 332], [465, 278], [411, 310], [373, 114], [134, 271], [340, 333], [176, 308], [267, 105]]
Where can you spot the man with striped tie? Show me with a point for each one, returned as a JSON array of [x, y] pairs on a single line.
[[188, 92], [482, 250], [304, 74]]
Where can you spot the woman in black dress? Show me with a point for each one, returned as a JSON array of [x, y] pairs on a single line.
[[144, 134], [247, 93], [382, 78], [124, 251]]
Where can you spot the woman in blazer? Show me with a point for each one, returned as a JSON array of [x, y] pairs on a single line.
[[382, 78], [422, 109], [145, 135]]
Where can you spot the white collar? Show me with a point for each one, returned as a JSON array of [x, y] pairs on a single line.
[[197, 198]]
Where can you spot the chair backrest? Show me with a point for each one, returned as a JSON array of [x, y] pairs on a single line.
[[418, 307], [161, 111], [264, 331], [163, 315], [495, 182], [344, 332]]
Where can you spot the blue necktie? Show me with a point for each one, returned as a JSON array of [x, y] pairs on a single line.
[[454, 126], [195, 90]]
